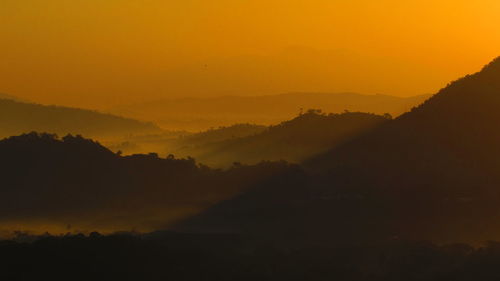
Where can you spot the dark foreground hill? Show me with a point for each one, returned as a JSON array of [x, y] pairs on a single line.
[[431, 173], [191, 257], [20, 117], [75, 184]]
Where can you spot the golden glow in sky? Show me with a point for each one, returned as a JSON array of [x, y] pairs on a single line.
[[94, 53]]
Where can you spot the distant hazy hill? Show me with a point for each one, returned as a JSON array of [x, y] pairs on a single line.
[[203, 113], [20, 117], [5, 96], [432, 173], [182, 143], [295, 140], [223, 134]]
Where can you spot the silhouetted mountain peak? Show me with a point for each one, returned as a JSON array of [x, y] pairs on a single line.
[[493, 66], [471, 97]]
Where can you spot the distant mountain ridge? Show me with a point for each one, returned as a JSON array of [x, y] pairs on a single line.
[[20, 117], [203, 113], [11, 97]]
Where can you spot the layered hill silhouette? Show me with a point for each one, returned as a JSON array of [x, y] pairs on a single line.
[[296, 140], [223, 133], [197, 114], [75, 184], [183, 143], [431, 173], [18, 117]]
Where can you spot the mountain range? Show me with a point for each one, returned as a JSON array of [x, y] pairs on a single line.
[[197, 114], [431, 173]]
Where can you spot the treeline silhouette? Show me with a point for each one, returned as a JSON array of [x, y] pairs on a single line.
[[173, 257], [21, 117]]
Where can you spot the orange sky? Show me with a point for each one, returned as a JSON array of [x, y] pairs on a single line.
[[97, 53]]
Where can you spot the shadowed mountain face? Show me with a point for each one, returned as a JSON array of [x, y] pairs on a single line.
[[203, 113], [432, 173], [439, 163], [19, 117], [295, 140]]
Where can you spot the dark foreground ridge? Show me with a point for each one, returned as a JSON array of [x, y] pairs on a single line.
[[174, 256]]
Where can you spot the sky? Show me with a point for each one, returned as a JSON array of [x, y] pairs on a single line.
[[101, 53]]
